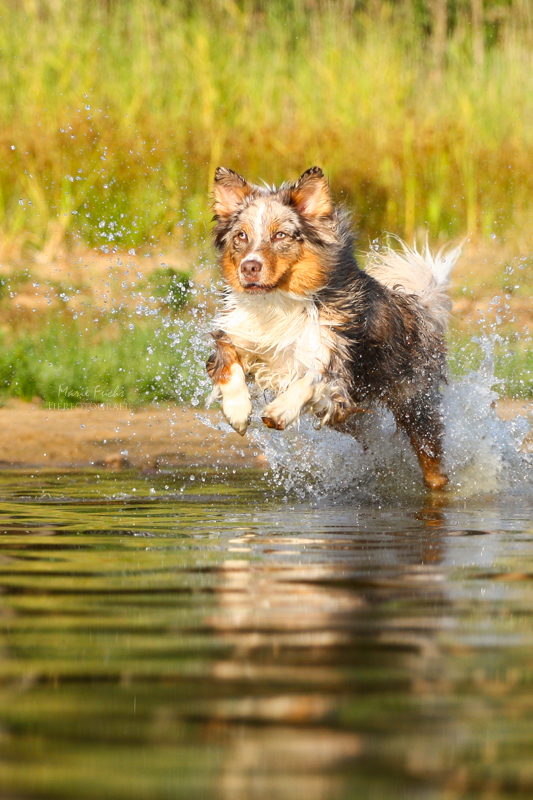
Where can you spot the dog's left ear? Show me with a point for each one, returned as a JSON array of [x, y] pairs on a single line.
[[310, 194], [229, 190]]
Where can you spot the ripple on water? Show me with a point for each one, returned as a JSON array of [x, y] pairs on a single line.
[[225, 642]]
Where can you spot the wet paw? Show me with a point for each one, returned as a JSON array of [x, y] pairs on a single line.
[[236, 405], [238, 411], [279, 415], [435, 480]]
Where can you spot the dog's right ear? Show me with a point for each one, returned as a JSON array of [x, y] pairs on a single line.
[[230, 189]]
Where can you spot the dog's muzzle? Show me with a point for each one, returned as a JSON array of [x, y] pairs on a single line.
[[251, 270]]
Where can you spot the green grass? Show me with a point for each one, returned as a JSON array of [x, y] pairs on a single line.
[[114, 115], [66, 361], [512, 358]]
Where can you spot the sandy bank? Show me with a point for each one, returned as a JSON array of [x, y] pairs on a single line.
[[34, 435], [117, 436]]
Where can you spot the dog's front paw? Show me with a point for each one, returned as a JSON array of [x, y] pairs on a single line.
[[238, 411], [279, 415], [285, 410], [236, 404]]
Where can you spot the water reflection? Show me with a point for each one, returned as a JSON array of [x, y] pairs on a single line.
[[206, 639]]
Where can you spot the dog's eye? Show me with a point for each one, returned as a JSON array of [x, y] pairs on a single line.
[[242, 236], [280, 235]]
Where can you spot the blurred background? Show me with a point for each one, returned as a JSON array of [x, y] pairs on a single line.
[[115, 113]]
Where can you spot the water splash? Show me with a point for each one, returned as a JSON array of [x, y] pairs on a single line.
[[483, 453]]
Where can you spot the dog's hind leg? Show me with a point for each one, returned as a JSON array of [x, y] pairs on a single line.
[[333, 404], [421, 419], [226, 370]]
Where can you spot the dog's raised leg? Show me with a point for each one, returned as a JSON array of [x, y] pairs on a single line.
[[287, 407], [423, 424], [226, 370]]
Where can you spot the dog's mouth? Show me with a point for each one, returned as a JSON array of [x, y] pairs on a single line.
[[257, 288]]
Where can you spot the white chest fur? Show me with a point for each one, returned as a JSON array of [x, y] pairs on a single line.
[[280, 337]]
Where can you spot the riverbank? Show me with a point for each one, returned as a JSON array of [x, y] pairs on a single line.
[[115, 436]]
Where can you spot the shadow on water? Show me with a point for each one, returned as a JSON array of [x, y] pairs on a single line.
[[193, 636]]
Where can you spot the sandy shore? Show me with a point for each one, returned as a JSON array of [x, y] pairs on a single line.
[[115, 437]]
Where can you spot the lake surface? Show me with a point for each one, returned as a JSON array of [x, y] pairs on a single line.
[[202, 634]]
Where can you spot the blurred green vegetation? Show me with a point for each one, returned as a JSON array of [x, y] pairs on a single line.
[[67, 360], [171, 287], [510, 357], [115, 113]]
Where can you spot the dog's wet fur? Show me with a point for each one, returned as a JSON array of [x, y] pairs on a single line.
[[300, 318]]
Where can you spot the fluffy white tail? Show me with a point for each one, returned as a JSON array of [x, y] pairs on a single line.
[[422, 273]]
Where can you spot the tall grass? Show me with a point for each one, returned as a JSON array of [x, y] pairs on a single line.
[[114, 115]]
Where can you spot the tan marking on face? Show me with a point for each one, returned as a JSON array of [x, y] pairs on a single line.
[[230, 271], [305, 276], [286, 263]]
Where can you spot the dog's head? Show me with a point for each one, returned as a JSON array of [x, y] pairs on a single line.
[[274, 238]]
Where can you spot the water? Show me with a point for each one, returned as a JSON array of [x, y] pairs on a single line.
[[202, 634], [482, 452]]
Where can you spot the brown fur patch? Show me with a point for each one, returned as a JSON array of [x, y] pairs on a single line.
[[220, 362], [230, 272], [230, 190], [432, 470], [427, 444], [304, 277]]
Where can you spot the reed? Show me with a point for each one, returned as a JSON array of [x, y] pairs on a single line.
[[113, 116], [115, 113]]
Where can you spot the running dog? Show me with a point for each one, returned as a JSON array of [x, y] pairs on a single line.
[[302, 320]]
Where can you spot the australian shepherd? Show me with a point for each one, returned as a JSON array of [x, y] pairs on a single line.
[[302, 320]]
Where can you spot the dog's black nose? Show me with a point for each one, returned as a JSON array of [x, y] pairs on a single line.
[[251, 269]]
